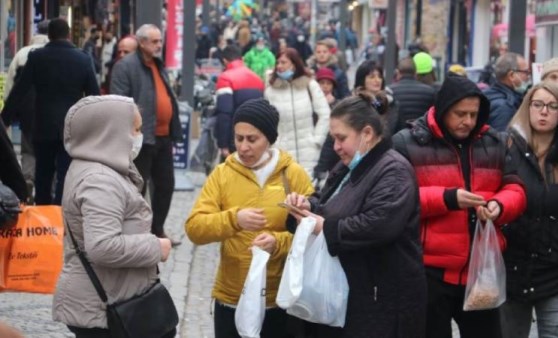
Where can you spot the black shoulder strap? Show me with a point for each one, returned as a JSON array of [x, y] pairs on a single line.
[[285, 180], [88, 268]]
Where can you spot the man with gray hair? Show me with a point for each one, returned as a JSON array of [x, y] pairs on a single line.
[[141, 76], [512, 80]]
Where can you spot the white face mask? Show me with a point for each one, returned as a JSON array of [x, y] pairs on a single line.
[[136, 146]]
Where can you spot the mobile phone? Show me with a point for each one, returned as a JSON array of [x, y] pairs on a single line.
[[291, 207]]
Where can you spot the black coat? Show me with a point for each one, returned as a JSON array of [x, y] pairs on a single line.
[[414, 99], [531, 256], [61, 74], [372, 225], [10, 171]]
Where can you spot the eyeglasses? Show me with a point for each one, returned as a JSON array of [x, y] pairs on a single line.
[[524, 71], [538, 105]]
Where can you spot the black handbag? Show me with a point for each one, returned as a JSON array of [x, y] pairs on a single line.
[[9, 207], [151, 314]]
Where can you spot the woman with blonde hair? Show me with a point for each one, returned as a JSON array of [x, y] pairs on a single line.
[[531, 256]]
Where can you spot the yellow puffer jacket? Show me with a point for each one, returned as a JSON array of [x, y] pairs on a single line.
[[229, 188]]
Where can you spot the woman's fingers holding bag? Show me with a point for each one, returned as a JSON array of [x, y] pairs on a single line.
[[265, 241]]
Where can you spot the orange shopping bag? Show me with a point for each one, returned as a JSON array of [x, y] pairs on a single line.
[[31, 252]]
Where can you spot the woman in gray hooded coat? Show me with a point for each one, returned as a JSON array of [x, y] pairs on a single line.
[[104, 209]]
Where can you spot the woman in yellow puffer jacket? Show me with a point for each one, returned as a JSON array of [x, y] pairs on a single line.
[[238, 207]]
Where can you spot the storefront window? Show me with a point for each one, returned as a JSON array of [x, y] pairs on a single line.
[[8, 32]]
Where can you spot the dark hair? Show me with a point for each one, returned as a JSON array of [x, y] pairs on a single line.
[[291, 54], [58, 29], [363, 109], [407, 67], [366, 68], [42, 27], [231, 53]]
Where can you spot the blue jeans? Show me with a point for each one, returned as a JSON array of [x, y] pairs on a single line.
[[516, 318]]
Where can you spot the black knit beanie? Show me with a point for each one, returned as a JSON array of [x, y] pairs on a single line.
[[261, 114]]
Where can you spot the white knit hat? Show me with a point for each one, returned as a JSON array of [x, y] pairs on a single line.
[[549, 66]]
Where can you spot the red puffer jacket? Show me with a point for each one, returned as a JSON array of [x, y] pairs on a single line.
[[445, 233]]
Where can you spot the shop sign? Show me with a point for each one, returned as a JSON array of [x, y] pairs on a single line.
[[378, 4], [175, 27], [546, 12]]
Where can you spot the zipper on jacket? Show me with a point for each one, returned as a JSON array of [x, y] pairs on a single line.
[[464, 183], [375, 293], [294, 123]]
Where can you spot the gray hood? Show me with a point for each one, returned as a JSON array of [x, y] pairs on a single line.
[[99, 129]]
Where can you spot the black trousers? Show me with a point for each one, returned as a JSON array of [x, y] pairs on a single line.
[[274, 325], [155, 164], [103, 333], [50, 158], [445, 301]]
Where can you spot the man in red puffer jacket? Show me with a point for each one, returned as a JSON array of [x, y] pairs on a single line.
[[459, 163]]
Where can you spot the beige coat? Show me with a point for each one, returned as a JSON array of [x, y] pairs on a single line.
[[108, 216]]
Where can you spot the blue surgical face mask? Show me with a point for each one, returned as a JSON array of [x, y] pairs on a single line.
[[286, 75], [357, 158]]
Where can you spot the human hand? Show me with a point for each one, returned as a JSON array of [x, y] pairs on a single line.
[[166, 246], [490, 212], [266, 241], [330, 98], [7, 331], [466, 199], [225, 152], [299, 201], [251, 219], [319, 220]]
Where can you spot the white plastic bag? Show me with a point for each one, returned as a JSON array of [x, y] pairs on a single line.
[[290, 286], [250, 312], [486, 279], [325, 290]]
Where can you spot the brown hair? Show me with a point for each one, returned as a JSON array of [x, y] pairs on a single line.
[[363, 109], [295, 58]]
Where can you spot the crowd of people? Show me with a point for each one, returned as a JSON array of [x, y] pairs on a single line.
[[408, 172]]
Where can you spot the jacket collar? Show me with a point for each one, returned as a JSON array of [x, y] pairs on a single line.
[[370, 159], [284, 161], [407, 78], [438, 131], [234, 64], [157, 61], [60, 43], [367, 163], [300, 82]]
